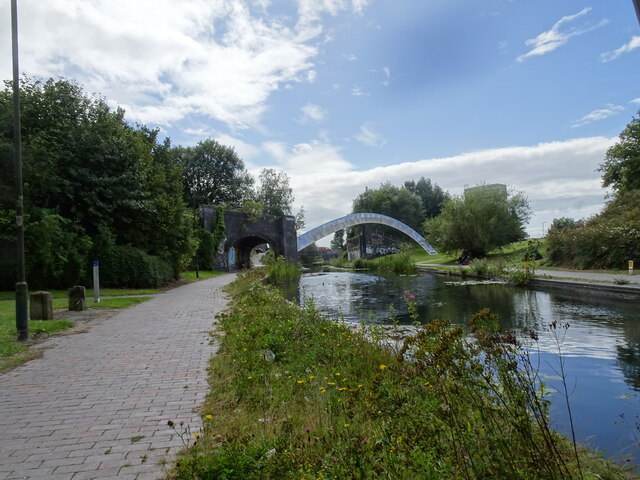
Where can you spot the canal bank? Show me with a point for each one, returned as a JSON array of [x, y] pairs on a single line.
[[603, 283]]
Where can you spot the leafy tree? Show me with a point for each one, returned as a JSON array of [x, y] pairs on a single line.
[[621, 167], [480, 220], [276, 196], [86, 167], [395, 202], [433, 197], [213, 174], [338, 241]]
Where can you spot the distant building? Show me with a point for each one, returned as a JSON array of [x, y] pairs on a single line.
[[489, 186]]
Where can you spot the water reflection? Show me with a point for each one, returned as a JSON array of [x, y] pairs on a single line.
[[601, 346]]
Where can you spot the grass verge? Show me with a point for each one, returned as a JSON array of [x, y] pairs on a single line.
[[203, 275], [294, 395]]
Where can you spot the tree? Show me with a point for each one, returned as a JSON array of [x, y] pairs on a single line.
[[392, 201], [338, 242], [433, 197], [480, 220], [274, 192], [621, 167], [85, 166], [213, 174]]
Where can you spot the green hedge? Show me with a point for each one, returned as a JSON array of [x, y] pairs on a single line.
[[130, 267]]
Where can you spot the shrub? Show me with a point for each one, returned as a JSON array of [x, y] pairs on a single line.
[[281, 272], [606, 240], [130, 267]]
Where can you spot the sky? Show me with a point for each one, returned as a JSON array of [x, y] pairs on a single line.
[[348, 94]]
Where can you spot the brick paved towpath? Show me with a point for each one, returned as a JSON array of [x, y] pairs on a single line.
[[96, 404]]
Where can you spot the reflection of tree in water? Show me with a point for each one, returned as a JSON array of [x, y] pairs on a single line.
[[629, 355]]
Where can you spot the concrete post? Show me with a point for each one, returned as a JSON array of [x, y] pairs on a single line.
[[41, 305], [77, 301]]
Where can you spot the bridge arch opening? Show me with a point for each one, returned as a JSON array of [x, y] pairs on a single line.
[[243, 246]]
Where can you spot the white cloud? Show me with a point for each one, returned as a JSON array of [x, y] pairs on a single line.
[[557, 36], [387, 74], [357, 91], [558, 178], [636, 101], [626, 48], [313, 112], [163, 63], [369, 137], [599, 114], [350, 57]]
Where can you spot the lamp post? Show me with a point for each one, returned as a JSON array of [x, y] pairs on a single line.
[[22, 312]]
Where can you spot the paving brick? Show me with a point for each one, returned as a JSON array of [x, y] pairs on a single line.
[[124, 377]]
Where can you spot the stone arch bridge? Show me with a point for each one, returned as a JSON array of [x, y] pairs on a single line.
[[243, 233]]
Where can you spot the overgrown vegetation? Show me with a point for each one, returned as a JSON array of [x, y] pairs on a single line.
[[281, 272], [607, 240], [611, 238], [294, 395], [399, 263]]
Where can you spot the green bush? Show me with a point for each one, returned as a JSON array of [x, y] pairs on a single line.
[[125, 266], [399, 263], [281, 272], [607, 240]]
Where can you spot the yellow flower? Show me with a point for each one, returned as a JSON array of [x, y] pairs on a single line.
[[342, 388], [383, 366], [208, 417], [331, 383], [249, 377], [311, 377], [359, 386], [300, 381], [346, 425], [337, 374]]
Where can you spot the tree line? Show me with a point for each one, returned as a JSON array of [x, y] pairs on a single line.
[[98, 187], [479, 220]]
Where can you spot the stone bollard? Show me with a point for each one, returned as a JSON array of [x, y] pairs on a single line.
[[77, 300], [41, 305]]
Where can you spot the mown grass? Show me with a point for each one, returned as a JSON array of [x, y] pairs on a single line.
[[203, 275], [104, 292], [294, 395]]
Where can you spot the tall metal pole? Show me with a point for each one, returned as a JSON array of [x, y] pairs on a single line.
[[22, 311]]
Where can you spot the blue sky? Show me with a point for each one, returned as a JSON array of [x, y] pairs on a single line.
[[347, 94]]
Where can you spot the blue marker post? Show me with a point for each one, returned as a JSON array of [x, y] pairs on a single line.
[[96, 281]]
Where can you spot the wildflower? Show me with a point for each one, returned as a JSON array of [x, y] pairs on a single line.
[[249, 377], [311, 377], [337, 374], [308, 430], [170, 423], [360, 386], [181, 422], [346, 425], [331, 383], [342, 388], [383, 366], [208, 417], [196, 435], [300, 381]]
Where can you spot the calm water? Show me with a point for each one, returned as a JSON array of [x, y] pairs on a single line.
[[601, 346]]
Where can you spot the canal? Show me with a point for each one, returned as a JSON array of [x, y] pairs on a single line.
[[601, 346]]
